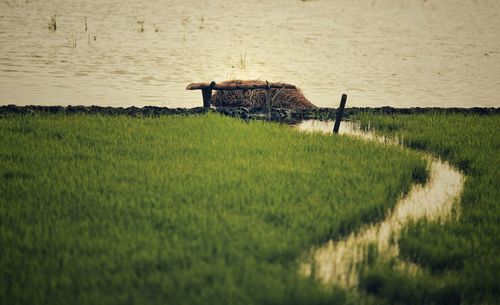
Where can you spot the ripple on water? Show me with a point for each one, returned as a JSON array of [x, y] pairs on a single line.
[[409, 53]]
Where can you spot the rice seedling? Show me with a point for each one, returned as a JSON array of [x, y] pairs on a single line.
[[141, 25], [180, 210], [53, 23], [242, 63], [459, 258], [72, 39]]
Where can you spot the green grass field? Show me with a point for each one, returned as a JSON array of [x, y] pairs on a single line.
[[461, 259], [181, 210]]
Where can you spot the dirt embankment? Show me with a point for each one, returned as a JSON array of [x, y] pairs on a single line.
[[247, 113]]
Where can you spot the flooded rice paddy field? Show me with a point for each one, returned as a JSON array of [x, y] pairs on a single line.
[[401, 53]]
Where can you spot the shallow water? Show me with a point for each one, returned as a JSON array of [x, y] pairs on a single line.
[[338, 262], [380, 52]]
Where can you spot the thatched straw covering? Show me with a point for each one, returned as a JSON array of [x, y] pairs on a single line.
[[278, 98]]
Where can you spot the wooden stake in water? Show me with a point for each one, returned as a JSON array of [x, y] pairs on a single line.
[[339, 112], [207, 95]]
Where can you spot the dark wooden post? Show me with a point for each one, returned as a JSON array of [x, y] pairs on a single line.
[[339, 112], [207, 94], [268, 101]]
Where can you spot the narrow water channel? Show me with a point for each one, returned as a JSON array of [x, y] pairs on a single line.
[[338, 262]]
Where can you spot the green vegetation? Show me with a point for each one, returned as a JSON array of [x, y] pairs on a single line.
[[460, 259], [53, 23], [180, 210]]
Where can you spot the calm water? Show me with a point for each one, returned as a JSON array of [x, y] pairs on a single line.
[[380, 52], [339, 262]]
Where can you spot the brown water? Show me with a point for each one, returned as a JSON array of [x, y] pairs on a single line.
[[380, 52], [338, 262]]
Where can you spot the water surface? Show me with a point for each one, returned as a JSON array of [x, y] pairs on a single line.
[[339, 262], [380, 52]]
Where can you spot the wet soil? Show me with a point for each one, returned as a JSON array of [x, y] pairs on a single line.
[[286, 116]]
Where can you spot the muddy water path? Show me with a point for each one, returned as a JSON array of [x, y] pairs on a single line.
[[401, 53], [339, 262]]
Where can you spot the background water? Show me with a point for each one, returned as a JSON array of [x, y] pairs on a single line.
[[380, 52]]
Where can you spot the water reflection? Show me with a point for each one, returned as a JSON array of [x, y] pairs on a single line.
[[338, 262], [122, 53]]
